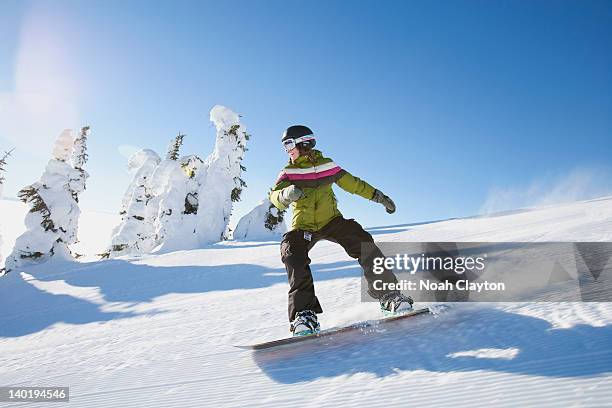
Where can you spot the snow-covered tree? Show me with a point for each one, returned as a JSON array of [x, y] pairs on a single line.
[[79, 153], [3, 160], [51, 223], [171, 209], [77, 182], [166, 196], [178, 208], [262, 222], [192, 166], [221, 185], [175, 147], [185, 202], [134, 234], [64, 146], [159, 207]]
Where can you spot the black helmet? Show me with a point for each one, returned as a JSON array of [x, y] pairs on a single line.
[[301, 136]]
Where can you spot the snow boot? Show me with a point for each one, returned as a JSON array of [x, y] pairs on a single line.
[[395, 303], [305, 323]]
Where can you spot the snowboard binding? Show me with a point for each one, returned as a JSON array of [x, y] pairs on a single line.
[[305, 324]]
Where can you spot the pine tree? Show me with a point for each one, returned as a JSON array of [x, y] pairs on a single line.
[[77, 184], [222, 184], [79, 159], [3, 160], [155, 201], [30, 195], [179, 206], [175, 147], [52, 222], [191, 165], [158, 207], [168, 190], [64, 146], [185, 201], [134, 234], [79, 155], [241, 148]]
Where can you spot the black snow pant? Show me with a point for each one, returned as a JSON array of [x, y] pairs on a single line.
[[294, 252]]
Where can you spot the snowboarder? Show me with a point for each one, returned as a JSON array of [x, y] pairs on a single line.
[[305, 184]]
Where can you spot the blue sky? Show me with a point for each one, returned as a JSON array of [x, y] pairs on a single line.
[[444, 106]]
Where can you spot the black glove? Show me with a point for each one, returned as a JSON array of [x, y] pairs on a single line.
[[289, 195], [380, 198]]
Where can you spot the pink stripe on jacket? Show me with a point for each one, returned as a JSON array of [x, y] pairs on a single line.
[[309, 176]]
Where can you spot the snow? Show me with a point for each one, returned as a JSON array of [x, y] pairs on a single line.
[[133, 234], [170, 225], [157, 330], [222, 176], [182, 203], [63, 212], [53, 222], [252, 224], [64, 145]]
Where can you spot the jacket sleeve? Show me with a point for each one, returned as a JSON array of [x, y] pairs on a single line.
[[355, 185], [275, 193]]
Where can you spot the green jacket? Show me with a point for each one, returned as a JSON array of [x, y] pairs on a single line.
[[315, 176]]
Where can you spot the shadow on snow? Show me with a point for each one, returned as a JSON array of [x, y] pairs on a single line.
[[27, 309], [431, 343]]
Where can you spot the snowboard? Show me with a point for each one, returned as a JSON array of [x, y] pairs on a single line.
[[332, 331]]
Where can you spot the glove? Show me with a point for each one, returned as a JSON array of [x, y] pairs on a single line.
[[289, 195], [380, 198]]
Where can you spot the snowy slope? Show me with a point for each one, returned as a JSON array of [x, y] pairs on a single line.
[[157, 330]]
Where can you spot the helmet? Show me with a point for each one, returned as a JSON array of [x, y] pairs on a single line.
[[302, 135]]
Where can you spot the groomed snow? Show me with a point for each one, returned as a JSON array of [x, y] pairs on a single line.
[[157, 331]]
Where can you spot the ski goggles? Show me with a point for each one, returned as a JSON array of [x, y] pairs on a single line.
[[290, 144]]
